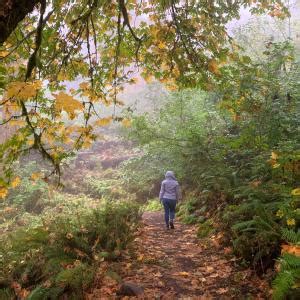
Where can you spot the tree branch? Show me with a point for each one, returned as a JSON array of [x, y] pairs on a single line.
[[126, 20]]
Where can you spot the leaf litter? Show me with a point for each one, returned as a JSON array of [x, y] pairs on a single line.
[[175, 264]]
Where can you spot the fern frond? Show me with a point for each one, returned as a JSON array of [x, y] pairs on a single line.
[[243, 225], [290, 235], [289, 261], [282, 284]]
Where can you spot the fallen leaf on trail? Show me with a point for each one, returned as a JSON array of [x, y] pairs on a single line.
[[107, 291], [222, 290], [215, 242], [183, 274], [209, 269], [140, 257], [160, 283], [195, 283], [227, 250], [158, 274]]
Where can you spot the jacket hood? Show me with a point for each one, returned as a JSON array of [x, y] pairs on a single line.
[[170, 175]]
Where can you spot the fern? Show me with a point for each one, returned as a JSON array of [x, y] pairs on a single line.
[[288, 276], [78, 277], [41, 293], [289, 261], [6, 294], [69, 240], [282, 284], [245, 225], [291, 236]]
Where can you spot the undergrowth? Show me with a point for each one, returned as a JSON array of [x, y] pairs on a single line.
[[58, 255]]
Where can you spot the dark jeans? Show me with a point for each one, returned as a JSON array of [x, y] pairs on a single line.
[[169, 207]]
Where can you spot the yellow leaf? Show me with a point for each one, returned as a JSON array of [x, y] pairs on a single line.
[[103, 121], [3, 192], [291, 222], [87, 143], [30, 142], [3, 54], [67, 140], [183, 274], [126, 122], [84, 85], [20, 137], [161, 45], [62, 76], [68, 104], [23, 90], [274, 155], [140, 257], [296, 192], [17, 123], [148, 77], [36, 176], [275, 166], [171, 86], [213, 67], [16, 182]]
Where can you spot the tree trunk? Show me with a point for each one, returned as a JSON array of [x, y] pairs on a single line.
[[11, 13]]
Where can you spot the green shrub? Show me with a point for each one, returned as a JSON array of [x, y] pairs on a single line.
[[205, 229], [104, 187], [153, 205], [193, 209], [31, 195], [63, 251]]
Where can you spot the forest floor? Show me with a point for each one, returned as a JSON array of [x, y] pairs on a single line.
[[175, 264]]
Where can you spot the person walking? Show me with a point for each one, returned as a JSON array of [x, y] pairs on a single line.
[[169, 196]]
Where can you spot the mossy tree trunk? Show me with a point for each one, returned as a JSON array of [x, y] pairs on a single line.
[[11, 13]]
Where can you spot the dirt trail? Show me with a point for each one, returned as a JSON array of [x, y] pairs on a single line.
[[174, 264]]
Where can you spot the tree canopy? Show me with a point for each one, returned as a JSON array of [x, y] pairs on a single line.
[[62, 60]]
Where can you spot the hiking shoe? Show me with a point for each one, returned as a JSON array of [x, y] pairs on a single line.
[[171, 224]]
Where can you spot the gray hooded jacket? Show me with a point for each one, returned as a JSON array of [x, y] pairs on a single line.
[[170, 188]]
